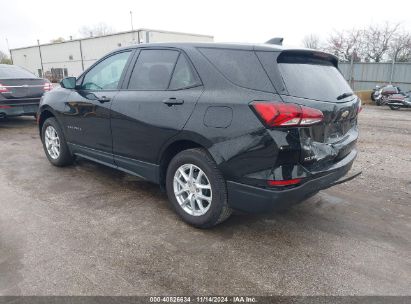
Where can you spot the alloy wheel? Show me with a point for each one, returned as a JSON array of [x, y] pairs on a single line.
[[52, 142], [192, 189]]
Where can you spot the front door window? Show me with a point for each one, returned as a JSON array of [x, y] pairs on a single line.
[[107, 73]]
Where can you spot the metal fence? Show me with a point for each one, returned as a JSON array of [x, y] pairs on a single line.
[[365, 76]]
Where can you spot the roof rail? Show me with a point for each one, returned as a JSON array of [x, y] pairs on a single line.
[[276, 40]]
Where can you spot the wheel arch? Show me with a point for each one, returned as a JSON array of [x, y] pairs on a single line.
[[178, 145], [45, 113]]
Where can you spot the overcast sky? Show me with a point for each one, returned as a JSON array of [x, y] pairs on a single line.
[[22, 22]]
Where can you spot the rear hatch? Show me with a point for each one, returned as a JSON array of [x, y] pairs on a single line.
[[312, 79], [22, 89]]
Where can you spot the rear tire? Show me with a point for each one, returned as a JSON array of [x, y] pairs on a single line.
[[54, 144], [201, 179], [394, 107]]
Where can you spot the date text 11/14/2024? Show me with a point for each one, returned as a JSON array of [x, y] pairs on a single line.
[[203, 299]]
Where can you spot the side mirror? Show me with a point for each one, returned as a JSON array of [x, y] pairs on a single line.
[[68, 83]]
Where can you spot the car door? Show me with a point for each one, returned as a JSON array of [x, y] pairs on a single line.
[[158, 99], [87, 110]]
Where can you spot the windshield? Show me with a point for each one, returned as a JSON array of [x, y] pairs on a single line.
[[311, 78], [14, 72]]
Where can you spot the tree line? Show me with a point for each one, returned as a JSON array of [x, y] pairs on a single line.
[[375, 43], [96, 30], [4, 58]]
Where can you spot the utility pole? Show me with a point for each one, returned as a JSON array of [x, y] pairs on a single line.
[[132, 27], [352, 69], [41, 59], [8, 48], [392, 70], [131, 20], [81, 55]]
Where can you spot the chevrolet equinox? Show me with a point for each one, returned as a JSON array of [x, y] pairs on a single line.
[[219, 127]]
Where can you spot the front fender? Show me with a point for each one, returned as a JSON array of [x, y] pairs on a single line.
[[52, 104]]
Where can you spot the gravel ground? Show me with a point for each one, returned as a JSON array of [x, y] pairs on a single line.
[[91, 230]]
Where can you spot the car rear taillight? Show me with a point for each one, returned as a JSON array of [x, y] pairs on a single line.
[[279, 114], [47, 86], [286, 182], [359, 109], [3, 89]]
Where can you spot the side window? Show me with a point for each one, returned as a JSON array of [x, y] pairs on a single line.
[[240, 67], [183, 76], [153, 69], [106, 74]]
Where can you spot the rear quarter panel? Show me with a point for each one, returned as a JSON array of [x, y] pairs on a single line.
[[239, 143]]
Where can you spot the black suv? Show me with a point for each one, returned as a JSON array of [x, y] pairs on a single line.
[[218, 126]]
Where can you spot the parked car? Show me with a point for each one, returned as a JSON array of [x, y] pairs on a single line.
[[20, 91], [218, 126]]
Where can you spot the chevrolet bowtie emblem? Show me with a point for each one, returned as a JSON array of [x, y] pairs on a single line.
[[345, 114]]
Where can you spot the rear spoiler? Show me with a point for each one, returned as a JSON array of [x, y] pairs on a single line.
[[276, 41], [295, 54]]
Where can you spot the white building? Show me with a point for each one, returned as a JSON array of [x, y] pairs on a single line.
[[72, 57]]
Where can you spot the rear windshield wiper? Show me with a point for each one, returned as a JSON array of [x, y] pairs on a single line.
[[344, 95]]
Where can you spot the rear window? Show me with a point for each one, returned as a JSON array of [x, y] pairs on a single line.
[[240, 67], [14, 72], [313, 78]]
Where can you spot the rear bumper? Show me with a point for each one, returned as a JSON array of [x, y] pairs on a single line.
[[19, 107], [18, 110], [256, 200]]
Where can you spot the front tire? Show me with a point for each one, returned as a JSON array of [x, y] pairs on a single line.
[[54, 144], [196, 189]]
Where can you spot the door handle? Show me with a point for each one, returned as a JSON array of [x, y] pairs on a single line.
[[173, 101], [104, 99]]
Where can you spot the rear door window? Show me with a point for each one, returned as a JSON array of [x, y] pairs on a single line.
[[241, 67], [183, 76], [153, 70], [313, 78]]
